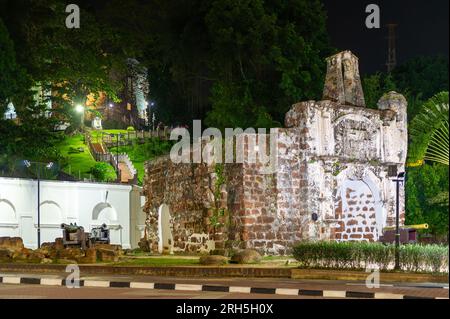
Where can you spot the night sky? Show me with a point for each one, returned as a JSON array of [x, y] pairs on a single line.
[[423, 28]]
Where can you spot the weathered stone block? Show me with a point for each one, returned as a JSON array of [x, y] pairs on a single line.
[[5, 255], [11, 243], [246, 256], [213, 260], [107, 255], [71, 253], [36, 256], [21, 254]]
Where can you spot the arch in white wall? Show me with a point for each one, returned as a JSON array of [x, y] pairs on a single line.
[[7, 212], [51, 217], [51, 213], [165, 243], [104, 212]]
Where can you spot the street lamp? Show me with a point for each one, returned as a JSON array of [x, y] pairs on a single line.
[[47, 166], [399, 180], [152, 112], [153, 120], [80, 109]]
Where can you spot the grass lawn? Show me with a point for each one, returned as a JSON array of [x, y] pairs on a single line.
[[98, 133], [78, 164], [141, 259], [158, 261]]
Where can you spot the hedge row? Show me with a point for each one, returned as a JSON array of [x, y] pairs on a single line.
[[360, 255]]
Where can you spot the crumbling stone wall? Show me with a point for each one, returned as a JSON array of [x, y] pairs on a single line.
[[188, 190], [331, 179]]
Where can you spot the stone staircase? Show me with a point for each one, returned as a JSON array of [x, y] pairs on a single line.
[[127, 169], [100, 152]]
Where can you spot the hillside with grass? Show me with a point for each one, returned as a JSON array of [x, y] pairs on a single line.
[[139, 153], [78, 161]]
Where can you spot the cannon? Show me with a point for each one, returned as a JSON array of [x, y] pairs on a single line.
[[99, 235], [417, 227], [74, 235], [408, 233]]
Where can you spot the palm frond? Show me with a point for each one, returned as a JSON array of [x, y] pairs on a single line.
[[429, 130]]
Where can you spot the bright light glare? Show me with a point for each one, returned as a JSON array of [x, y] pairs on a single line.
[[79, 108]]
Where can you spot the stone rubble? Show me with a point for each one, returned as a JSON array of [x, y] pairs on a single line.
[[12, 250]]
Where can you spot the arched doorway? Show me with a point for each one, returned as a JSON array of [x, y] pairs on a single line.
[[51, 219], [105, 213], [165, 243], [358, 208], [8, 219]]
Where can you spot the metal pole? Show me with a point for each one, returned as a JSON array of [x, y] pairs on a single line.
[[82, 120], [39, 207], [397, 227]]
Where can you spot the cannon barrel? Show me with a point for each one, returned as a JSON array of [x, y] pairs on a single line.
[[419, 226]]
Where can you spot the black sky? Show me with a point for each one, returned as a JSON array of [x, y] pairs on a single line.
[[423, 29]]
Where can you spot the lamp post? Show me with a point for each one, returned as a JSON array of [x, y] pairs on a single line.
[[80, 109], [153, 121], [152, 112], [398, 180], [38, 174]]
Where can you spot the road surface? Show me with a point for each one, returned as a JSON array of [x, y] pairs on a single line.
[[187, 288]]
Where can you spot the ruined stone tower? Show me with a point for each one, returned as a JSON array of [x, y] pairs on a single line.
[[342, 82], [332, 177]]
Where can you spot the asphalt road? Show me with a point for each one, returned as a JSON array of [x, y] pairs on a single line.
[[34, 291], [39, 292]]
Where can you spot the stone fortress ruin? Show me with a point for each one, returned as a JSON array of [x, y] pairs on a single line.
[[332, 179]]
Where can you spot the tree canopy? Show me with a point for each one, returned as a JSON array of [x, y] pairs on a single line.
[[235, 63], [13, 78]]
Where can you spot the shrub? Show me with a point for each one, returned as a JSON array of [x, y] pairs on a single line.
[[424, 258], [359, 255], [103, 172], [130, 129]]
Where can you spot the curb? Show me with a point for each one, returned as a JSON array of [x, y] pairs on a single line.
[[220, 272], [215, 288], [323, 274], [175, 271]]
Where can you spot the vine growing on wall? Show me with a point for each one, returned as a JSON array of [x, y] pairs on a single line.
[[218, 211], [221, 216]]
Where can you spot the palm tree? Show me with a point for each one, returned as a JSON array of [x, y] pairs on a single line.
[[429, 131], [429, 138]]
